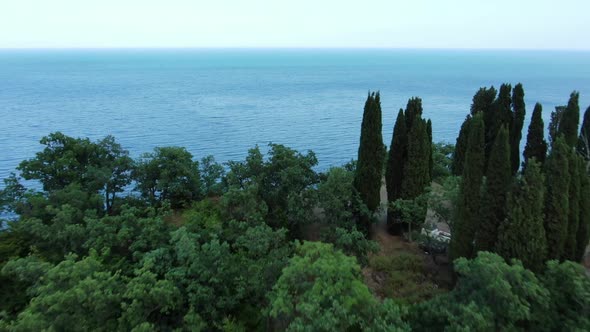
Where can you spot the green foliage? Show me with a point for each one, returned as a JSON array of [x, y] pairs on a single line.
[[321, 289], [490, 295], [573, 223], [13, 195], [498, 114], [410, 162], [63, 161], [536, 146], [569, 304], [168, 173], [584, 140], [398, 150], [112, 171], [103, 166], [15, 279], [411, 212], [442, 159], [583, 236], [148, 300], [340, 207], [416, 176], [498, 181], [123, 240], [555, 123], [55, 225], [244, 204], [404, 278], [212, 174], [466, 223], [521, 234], [557, 201], [222, 277], [443, 202], [280, 189], [483, 101], [461, 147], [351, 242], [413, 110], [518, 106], [337, 197], [431, 148], [204, 217], [73, 294], [370, 155], [570, 119]]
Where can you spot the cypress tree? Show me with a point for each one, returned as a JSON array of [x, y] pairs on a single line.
[[584, 139], [461, 147], [430, 159], [518, 107], [503, 109], [483, 101], [521, 234], [554, 124], [583, 235], [498, 180], [416, 169], [570, 247], [397, 156], [394, 173], [536, 146], [568, 126], [370, 154], [468, 206], [557, 201], [413, 110], [501, 115]]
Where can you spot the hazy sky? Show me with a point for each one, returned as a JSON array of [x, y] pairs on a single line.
[[537, 24]]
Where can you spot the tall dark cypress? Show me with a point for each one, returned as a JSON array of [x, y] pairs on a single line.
[[461, 147], [536, 146], [416, 169], [583, 235], [519, 110], [413, 109], [501, 115], [522, 234], [498, 180], [398, 151], [483, 101], [568, 126], [469, 201], [555, 123], [394, 172], [557, 200], [371, 154], [570, 248], [503, 104], [584, 139], [430, 159]]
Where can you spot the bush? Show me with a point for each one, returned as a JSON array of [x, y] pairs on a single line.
[[405, 278]]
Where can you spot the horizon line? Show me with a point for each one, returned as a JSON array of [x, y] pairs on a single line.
[[293, 48]]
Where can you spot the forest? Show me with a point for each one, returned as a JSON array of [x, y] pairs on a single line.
[[95, 240]]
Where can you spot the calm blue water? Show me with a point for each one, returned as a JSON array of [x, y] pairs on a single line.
[[223, 102]]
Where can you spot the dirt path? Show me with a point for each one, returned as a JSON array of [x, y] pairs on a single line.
[[391, 246]]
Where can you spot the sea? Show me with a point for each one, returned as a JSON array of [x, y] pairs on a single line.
[[222, 102]]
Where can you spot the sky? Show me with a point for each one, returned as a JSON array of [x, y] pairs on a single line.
[[472, 24]]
